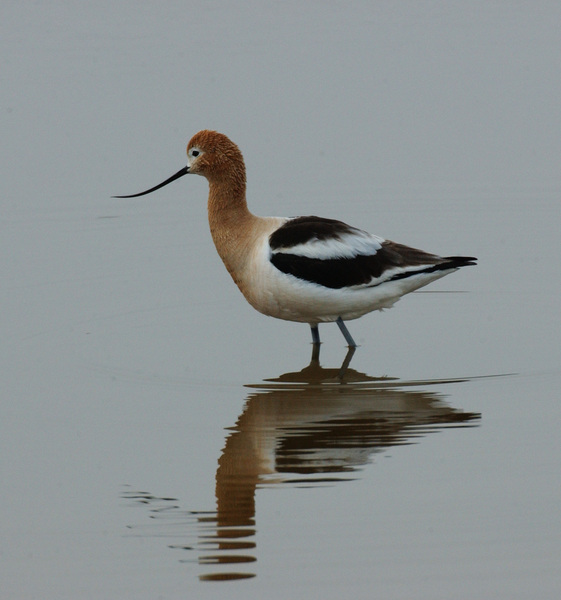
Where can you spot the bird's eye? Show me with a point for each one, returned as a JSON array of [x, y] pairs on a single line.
[[195, 153]]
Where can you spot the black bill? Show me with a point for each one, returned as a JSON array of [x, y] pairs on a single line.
[[179, 174]]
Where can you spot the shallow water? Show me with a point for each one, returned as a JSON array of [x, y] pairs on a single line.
[[159, 437], [303, 430]]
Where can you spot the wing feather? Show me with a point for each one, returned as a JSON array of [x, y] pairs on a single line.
[[335, 255]]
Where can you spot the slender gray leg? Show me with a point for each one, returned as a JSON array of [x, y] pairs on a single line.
[[346, 333], [315, 334], [315, 354]]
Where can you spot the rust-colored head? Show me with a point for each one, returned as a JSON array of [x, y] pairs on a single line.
[[214, 156]]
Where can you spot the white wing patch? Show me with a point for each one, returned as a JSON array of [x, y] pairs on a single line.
[[345, 245]]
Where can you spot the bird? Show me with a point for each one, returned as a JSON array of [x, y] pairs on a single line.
[[306, 269]]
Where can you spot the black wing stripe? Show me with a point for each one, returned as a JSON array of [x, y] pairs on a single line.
[[301, 230], [360, 270], [335, 273]]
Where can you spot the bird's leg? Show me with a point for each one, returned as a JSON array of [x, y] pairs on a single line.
[[316, 343], [315, 334], [346, 334], [315, 354]]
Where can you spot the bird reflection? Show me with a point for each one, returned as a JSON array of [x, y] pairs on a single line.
[[314, 427], [306, 428]]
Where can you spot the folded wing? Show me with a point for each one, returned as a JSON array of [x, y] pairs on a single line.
[[335, 255]]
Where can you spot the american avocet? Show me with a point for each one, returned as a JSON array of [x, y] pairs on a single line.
[[306, 269]]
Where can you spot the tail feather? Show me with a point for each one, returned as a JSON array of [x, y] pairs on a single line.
[[446, 263], [455, 262]]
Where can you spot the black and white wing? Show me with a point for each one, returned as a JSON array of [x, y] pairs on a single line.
[[335, 255]]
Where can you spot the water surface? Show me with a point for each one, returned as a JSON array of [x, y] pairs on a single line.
[[159, 437]]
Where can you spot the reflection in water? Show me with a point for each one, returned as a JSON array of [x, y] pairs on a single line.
[[305, 428]]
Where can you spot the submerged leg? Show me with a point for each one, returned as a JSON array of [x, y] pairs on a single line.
[[315, 334], [346, 333]]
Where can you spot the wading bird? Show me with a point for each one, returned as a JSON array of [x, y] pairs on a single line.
[[307, 269]]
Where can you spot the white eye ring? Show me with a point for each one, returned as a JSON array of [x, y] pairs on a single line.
[[194, 152]]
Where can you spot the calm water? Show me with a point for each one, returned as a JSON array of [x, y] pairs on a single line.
[[160, 439]]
